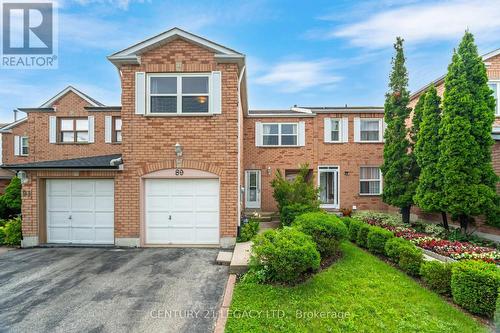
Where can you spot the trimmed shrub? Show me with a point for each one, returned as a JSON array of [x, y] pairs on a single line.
[[12, 232], [474, 286], [393, 247], [347, 221], [437, 275], [362, 238], [290, 212], [283, 255], [410, 259], [377, 237], [354, 227], [248, 230], [325, 229]]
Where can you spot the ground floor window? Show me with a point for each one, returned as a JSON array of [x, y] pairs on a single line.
[[329, 186], [370, 181]]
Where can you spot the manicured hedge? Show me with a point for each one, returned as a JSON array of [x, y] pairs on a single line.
[[377, 237], [11, 232], [363, 235], [290, 212], [248, 230], [437, 275], [474, 286], [393, 248], [283, 255], [326, 230], [410, 259], [354, 227], [347, 221]]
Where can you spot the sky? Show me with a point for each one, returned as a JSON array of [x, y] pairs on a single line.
[[306, 53]]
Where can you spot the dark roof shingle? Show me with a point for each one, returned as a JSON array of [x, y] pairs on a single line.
[[94, 162]]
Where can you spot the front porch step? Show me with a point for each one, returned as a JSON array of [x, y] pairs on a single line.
[[224, 258], [263, 226], [241, 257]]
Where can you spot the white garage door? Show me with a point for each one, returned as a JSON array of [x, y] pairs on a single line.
[[80, 211], [182, 211]]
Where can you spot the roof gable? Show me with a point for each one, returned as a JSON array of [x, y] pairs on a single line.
[[68, 89], [131, 55]]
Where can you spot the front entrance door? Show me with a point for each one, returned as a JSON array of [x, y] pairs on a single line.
[[252, 189], [329, 186]]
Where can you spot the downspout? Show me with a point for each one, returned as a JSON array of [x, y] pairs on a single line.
[[240, 138]]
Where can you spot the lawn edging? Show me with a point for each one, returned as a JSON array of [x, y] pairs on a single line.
[[220, 324]]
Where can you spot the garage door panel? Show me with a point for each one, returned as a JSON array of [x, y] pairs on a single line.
[[104, 188], [80, 211], [59, 203], [103, 219], [59, 235], [193, 205], [207, 204], [82, 187], [207, 236], [104, 204], [85, 204], [160, 204], [206, 219]]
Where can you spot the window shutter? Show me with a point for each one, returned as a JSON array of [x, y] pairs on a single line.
[[345, 129], [328, 130], [384, 126], [91, 129], [258, 134], [52, 129], [357, 129], [140, 93], [108, 125], [17, 145], [216, 92], [302, 133]]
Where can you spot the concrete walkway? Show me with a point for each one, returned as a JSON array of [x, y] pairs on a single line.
[[241, 257]]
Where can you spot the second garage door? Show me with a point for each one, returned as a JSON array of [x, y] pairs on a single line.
[[80, 211], [182, 211]]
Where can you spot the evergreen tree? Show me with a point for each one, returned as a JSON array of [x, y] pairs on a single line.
[[465, 150], [399, 168], [428, 194]]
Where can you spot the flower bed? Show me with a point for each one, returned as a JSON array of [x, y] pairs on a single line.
[[453, 249]]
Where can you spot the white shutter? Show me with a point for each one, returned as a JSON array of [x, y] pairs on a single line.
[[91, 129], [345, 129], [302, 133], [328, 130], [17, 145], [357, 129], [384, 126], [52, 129], [258, 134], [216, 94], [107, 129], [140, 93]]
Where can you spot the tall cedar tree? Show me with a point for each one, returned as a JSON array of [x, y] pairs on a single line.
[[399, 167], [428, 194], [465, 150]]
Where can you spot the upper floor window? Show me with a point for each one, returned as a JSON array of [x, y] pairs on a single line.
[[21, 147], [117, 129], [369, 129], [495, 86], [173, 94], [370, 181], [279, 134], [73, 130], [336, 130]]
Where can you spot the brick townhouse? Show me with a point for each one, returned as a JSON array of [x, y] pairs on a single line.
[[182, 157]]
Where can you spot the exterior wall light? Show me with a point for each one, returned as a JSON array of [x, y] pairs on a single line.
[[178, 149], [22, 176]]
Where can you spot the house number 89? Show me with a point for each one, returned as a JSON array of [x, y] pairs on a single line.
[[179, 172]]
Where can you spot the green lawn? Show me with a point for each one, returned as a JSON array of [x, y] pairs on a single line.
[[374, 296]]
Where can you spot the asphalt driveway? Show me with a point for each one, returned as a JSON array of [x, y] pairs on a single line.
[[110, 290]]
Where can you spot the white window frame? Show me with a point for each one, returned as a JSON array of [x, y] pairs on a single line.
[[497, 97], [330, 168], [380, 180], [115, 131], [22, 139], [297, 134], [380, 130], [339, 120], [179, 94]]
